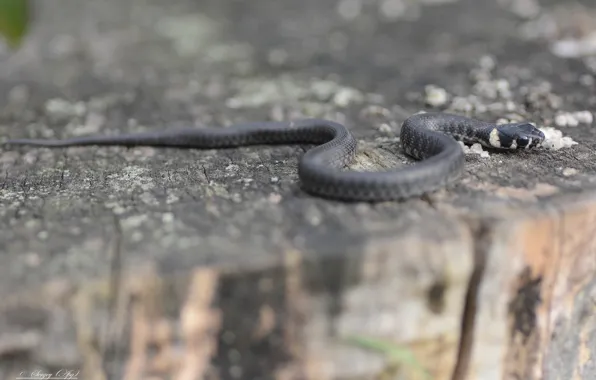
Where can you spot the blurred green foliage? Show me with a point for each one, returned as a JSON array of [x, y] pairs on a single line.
[[396, 355], [14, 19]]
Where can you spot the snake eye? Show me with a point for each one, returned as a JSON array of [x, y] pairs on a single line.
[[523, 141]]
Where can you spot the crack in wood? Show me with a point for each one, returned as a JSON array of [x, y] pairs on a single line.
[[483, 235]]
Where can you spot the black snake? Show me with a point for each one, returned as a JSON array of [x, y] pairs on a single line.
[[428, 137]]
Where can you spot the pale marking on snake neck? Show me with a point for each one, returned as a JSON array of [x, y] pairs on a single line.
[[493, 138], [513, 145], [529, 144]]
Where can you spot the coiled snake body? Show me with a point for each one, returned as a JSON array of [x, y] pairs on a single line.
[[428, 137]]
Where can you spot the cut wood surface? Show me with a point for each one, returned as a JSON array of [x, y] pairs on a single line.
[[152, 263]]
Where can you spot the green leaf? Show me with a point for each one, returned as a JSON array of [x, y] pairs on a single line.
[[14, 19], [393, 352]]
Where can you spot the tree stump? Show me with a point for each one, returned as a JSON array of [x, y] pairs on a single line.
[[152, 263]]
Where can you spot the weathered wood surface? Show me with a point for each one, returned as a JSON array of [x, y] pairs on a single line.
[[159, 263]]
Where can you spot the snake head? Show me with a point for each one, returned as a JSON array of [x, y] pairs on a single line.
[[516, 136]]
